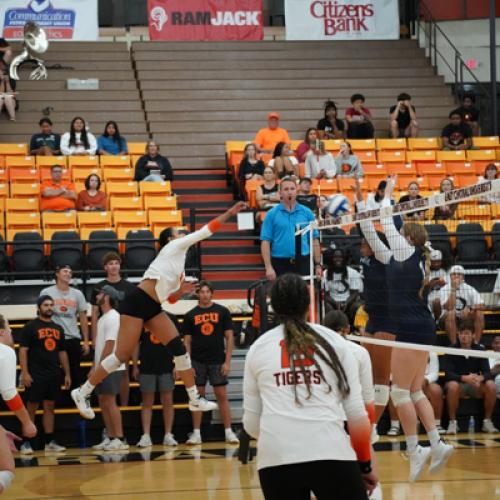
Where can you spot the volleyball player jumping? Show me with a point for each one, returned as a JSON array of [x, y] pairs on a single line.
[[162, 282], [407, 277]]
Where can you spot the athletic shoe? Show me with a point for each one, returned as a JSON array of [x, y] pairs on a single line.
[[201, 404], [145, 441], [169, 440], [452, 427], [26, 449], [440, 429], [394, 431], [194, 438], [439, 456], [488, 426], [417, 462], [101, 445], [83, 404], [116, 445], [376, 493], [53, 446], [231, 437], [374, 438]]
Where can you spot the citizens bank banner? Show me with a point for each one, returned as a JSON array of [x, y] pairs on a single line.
[[342, 19], [61, 19], [205, 19]]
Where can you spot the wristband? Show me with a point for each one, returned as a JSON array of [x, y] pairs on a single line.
[[365, 467], [15, 404]]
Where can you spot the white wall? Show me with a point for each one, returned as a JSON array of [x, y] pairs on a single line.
[[472, 39]]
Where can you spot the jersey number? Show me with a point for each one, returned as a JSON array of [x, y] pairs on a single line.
[[285, 359]]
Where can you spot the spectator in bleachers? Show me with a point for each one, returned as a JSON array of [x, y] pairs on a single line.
[[45, 143], [251, 167], [306, 197], [111, 142], [152, 166], [69, 306], [105, 344], [310, 142], [438, 278], [57, 194], [92, 198], [5, 52], [496, 290], [461, 302], [41, 356], [457, 135], [469, 112], [495, 364], [267, 194], [413, 190], [330, 126], [359, 119], [468, 376], [78, 141], [7, 94], [445, 212], [348, 164], [155, 373], [490, 174], [403, 118], [283, 162], [209, 339], [343, 284], [267, 138], [320, 163]]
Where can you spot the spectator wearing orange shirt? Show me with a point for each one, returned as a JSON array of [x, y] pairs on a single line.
[[267, 138], [57, 194], [91, 198]]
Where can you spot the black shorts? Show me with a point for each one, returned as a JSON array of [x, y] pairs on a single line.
[[377, 324], [139, 304], [43, 390], [208, 372], [421, 331]]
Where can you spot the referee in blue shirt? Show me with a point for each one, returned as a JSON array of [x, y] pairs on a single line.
[[278, 235]]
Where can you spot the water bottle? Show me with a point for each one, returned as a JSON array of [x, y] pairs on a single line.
[[82, 433], [472, 425]]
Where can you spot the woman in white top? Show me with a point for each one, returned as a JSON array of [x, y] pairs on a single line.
[[490, 174], [283, 161], [320, 163], [301, 382], [78, 142]]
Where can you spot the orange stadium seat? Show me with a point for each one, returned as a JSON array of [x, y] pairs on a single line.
[[481, 155], [358, 145], [419, 157], [48, 161], [13, 149], [111, 161], [81, 173], [122, 203], [95, 220], [160, 220], [136, 148], [22, 204], [392, 156], [59, 220], [4, 176], [83, 161], [376, 169], [160, 203], [366, 156], [491, 142], [473, 212], [22, 220], [391, 144], [450, 156], [423, 143], [122, 188], [118, 174], [463, 180], [45, 174], [163, 188], [2, 161], [4, 190], [480, 165], [25, 190], [251, 190], [10, 233], [29, 175], [20, 161], [402, 169], [495, 211], [132, 219]]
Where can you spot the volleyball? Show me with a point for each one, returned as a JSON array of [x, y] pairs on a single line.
[[337, 205]]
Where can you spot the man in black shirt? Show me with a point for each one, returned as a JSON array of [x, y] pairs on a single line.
[[41, 356], [111, 263], [205, 328], [457, 135], [155, 373], [46, 143], [306, 197], [403, 118], [468, 376], [470, 114]]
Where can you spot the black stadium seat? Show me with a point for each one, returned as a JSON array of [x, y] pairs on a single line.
[[496, 240], [27, 252], [97, 250], [440, 239], [3, 255], [139, 254], [69, 253], [471, 243]]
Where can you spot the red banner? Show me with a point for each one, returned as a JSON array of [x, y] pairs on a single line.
[[205, 19]]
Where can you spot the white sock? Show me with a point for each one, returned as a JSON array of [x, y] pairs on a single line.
[[434, 437], [487, 420], [411, 443], [228, 430], [196, 432], [437, 422], [395, 423], [193, 393], [87, 388]]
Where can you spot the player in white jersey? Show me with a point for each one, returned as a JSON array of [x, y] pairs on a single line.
[[162, 282], [301, 381], [13, 402]]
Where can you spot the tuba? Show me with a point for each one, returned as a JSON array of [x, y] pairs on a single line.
[[35, 44]]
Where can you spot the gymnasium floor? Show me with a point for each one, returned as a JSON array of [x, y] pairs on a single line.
[[212, 471]]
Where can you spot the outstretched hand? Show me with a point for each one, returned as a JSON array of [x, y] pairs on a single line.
[[237, 207], [391, 183]]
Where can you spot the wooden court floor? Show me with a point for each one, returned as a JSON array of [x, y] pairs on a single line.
[[213, 472]]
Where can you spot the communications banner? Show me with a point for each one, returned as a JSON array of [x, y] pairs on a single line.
[[342, 19], [205, 19], [61, 19]]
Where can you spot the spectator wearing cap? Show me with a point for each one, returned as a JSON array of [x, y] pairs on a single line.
[[70, 307], [57, 194], [111, 263], [45, 143], [41, 356], [359, 119], [461, 302], [267, 138], [320, 163], [306, 197], [438, 278], [107, 332]]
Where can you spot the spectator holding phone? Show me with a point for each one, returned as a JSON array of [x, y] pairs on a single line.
[[403, 118], [152, 166]]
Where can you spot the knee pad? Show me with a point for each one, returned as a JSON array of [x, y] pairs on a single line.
[[182, 362], [176, 346], [400, 396], [6, 478], [417, 396], [111, 363], [381, 394]]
